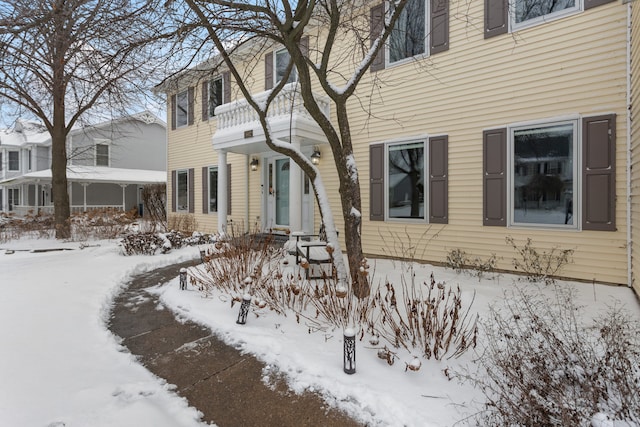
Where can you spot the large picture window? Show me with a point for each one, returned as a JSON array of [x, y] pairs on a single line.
[[213, 189], [543, 184], [182, 109], [408, 36], [182, 191], [406, 180]]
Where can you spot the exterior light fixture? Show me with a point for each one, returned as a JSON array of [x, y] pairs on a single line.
[[244, 309], [254, 164], [315, 157], [349, 351], [183, 278]]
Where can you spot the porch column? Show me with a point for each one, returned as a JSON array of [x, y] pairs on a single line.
[[124, 187], [295, 193], [36, 189], [84, 196], [222, 192]]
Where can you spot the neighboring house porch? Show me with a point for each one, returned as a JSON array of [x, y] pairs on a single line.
[[90, 187]]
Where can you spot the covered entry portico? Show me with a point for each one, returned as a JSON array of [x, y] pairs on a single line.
[[286, 200]]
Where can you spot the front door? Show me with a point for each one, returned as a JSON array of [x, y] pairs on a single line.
[[278, 195]]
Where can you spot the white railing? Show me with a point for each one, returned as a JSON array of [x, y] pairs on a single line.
[[20, 210], [287, 102]]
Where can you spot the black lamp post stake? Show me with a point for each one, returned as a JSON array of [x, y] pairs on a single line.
[[244, 309], [183, 278], [349, 351]]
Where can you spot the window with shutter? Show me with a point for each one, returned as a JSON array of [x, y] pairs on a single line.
[[438, 180], [181, 194], [494, 159], [181, 111], [599, 173]]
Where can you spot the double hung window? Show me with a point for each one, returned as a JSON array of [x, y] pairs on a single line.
[[406, 180], [216, 95], [14, 160], [281, 63], [213, 189], [408, 37], [182, 109], [102, 154], [182, 191]]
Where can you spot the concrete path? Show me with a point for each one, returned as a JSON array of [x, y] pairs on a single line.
[[225, 385]]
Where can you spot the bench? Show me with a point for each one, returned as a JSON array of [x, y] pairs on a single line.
[[313, 250]]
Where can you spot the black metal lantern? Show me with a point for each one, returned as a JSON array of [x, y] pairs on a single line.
[[183, 278], [244, 309], [349, 351]]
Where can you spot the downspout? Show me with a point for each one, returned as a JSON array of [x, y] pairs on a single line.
[[629, 159], [246, 202]]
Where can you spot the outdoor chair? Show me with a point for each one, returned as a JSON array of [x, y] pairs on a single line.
[[313, 250]]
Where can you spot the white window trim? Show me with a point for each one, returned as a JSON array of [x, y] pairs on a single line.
[[178, 125], [427, 41], [209, 94], [275, 67], [97, 142], [178, 172], [513, 26], [214, 168], [9, 160], [577, 176], [402, 141]]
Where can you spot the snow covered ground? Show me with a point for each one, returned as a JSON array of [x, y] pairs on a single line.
[[60, 366]]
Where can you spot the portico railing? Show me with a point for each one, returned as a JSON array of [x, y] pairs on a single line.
[[287, 102]]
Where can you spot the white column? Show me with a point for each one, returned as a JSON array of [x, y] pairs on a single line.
[[222, 192], [84, 196], [295, 193], [124, 187]]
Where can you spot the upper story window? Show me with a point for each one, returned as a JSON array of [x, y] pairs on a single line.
[[14, 160], [282, 61], [543, 169], [530, 12], [409, 34], [216, 95], [102, 154], [182, 109]]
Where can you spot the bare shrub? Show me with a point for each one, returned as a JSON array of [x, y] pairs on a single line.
[[541, 366], [106, 223], [539, 266], [428, 317], [460, 262], [185, 223], [154, 197]]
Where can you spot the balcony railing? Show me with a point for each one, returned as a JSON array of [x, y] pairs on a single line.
[[288, 102]]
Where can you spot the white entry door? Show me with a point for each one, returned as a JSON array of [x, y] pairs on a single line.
[[277, 196]]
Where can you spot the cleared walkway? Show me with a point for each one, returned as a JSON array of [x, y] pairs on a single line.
[[220, 381]]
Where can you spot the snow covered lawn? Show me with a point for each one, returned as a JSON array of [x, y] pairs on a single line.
[[59, 365]]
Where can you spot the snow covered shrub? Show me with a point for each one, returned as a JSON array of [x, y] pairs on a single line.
[[428, 317], [540, 365], [539, 266], [150, 243], [460, 262], [38, 225]]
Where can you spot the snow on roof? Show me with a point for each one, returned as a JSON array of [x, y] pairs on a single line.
[[96, 174], [25, 132]]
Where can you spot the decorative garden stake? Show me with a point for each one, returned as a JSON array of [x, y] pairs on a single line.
[[203, 254], [349, 351], [183, 278], [244, 309]]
